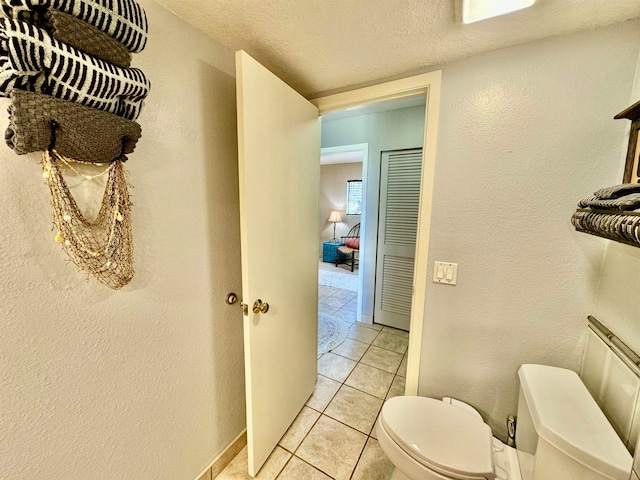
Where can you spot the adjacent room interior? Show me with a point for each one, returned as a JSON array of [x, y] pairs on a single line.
[[358, 147]]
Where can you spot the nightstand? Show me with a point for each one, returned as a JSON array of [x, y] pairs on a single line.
[[329, 251]]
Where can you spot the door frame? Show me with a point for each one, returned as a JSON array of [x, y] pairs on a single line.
[[364, 148], [427, 84]]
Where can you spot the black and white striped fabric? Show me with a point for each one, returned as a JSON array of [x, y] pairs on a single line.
[[617, 191], [627, 202], [123, 20], [30, 59]]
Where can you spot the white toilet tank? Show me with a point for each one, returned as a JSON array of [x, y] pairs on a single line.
[[561, 432]]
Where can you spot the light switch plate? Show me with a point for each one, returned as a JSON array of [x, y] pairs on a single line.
[[445, 272]]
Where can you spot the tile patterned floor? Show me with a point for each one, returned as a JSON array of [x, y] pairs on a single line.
[[333, 437]]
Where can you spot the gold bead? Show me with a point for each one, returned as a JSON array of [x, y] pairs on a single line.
[[58, 237], [119, 217]]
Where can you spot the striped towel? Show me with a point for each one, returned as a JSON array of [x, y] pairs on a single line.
[[30, 59], [628, 202], [123, 20], [617, 191]]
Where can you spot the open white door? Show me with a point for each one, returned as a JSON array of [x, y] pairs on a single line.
[[279, 171]]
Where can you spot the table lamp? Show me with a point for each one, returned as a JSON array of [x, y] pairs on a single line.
[[334, 217]]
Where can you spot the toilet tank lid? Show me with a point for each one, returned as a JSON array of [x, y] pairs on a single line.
[[565, 414]]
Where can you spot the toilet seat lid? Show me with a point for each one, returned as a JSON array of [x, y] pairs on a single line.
[[442, 437]]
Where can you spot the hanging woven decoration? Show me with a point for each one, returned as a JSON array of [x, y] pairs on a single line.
[[65, 64], [102, 247]]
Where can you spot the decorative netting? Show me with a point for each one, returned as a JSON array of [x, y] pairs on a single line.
[[102, 247]]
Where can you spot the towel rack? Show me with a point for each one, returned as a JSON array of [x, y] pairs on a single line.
[[616, 236], [621, 349]]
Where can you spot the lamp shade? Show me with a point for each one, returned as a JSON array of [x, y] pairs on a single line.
[[335, 216]]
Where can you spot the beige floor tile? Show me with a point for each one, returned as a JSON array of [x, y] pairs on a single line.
[[352, 349], [321, 297], [371, 326], [335, 301], [296, 469], [326, 290], [323, 393], [396, 331], [346, 294], [332, 448], [229, 454], [391, 342], [351, 305], [362, 334], [335, 366], [373, 430], [373, 464], [322, 308], [402, 371], [237, 469], [397, 387], [346, 316], [370, 380], [354, 408], [299, 429], [383, 359]]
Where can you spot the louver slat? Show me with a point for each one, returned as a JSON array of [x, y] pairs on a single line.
[[403, 196], [397, 281]]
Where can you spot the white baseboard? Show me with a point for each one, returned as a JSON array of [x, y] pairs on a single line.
[[366, 319], [222, 460]]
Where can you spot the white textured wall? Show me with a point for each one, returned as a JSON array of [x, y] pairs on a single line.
[[388, 130], [524, 133], [617, 305], [147, 382], [333, 196]]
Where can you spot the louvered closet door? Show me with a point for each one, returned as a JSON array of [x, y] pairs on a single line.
[[397, 227]]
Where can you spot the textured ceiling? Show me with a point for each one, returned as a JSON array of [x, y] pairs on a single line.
[[325, 45]]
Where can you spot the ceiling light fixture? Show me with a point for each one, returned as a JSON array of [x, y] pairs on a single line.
[[476, 10]]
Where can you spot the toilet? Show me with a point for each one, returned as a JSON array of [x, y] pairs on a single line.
[[561, 434]]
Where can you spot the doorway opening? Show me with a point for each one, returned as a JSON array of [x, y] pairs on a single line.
[[429, 85], [374, 151]]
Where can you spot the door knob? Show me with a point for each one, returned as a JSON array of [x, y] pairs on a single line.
[[260, 307]]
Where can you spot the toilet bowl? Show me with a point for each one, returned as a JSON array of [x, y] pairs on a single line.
[[459, 444], [561, 435]]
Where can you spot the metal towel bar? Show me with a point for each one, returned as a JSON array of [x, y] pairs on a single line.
[[621, 349]]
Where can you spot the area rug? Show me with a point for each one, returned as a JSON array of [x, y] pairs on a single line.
[[338, 280], [331, 332]]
